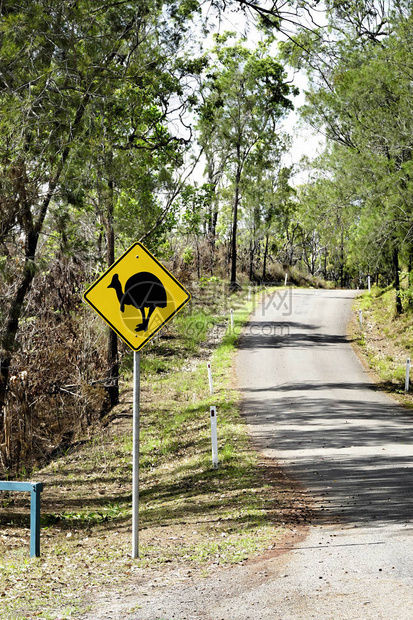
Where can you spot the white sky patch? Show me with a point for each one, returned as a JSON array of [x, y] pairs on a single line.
[[305, 141]]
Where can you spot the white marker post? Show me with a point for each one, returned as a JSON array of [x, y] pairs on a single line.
[[211, 388], [368, 283], [214, 436], [232, 320], [135, 454], [407, 380], [361, 319], [285, 279]]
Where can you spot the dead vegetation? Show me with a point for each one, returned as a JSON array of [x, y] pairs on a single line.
[[192, 517]]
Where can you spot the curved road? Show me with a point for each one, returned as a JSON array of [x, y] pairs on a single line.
[[312, 407]]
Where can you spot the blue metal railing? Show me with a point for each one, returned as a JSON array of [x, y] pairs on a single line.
[[35, 489]]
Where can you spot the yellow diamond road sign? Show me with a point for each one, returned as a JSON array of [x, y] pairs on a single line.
[[136, 296]]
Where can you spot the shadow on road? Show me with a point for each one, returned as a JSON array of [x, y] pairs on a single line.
[[353, 455], [276, 334]]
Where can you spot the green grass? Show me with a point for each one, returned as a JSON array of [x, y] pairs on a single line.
[[386, 339], [190, 513]]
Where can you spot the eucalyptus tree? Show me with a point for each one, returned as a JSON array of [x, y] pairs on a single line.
[[360, 97], [244, 96], [71, 75], [268, 205], [329, 211]]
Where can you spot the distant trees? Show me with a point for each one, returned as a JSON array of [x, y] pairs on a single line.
[[361, 99], [106, 108], [244, 96]]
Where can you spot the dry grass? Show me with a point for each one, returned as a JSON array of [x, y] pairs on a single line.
[[385, 340], [192, 517]]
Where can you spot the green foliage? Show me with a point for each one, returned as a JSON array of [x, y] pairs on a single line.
[[386, 340], [243, 98], [362, 102], [188, 256], [89, 161], [407, 297]]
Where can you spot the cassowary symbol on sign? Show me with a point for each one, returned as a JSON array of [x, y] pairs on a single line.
[[142, 290]]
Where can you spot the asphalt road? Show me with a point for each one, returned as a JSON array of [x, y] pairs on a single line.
[[312, 407]]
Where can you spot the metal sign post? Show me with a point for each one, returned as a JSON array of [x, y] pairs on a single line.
[[135, 454], [136, 297]]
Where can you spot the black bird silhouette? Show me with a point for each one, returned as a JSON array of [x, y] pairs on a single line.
[[142, 290]]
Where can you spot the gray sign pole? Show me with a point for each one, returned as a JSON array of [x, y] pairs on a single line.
[[135, 462]]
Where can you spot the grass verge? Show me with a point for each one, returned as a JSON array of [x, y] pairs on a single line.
[[193, 518], [384, 341]]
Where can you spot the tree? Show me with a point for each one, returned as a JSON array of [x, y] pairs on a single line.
[[244, 97], [328, 212], [362, 100], [65, 70], [267, 203]]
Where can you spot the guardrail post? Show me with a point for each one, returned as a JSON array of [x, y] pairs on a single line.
[[36, 490]]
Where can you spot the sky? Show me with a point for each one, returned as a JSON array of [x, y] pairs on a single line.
[[305, 141]]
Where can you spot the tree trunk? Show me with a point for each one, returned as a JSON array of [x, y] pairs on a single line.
[[399, 307], [112, 377], [264, 261], [410, 267], [198, 259], [8, 341], [32, 233], [252, 251], [213, 238], [16, 305], [314, 253], [235, 224]]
